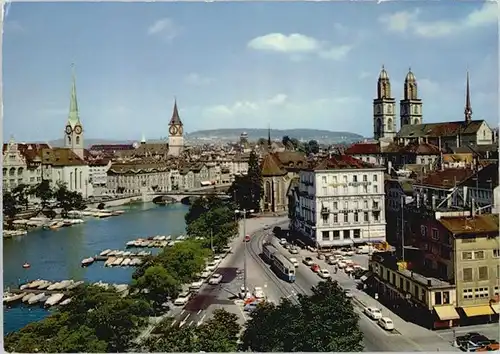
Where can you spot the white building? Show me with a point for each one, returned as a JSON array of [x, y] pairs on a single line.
[[341, 202], [62, 165], [98, 175]]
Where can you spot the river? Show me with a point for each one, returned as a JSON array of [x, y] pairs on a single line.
[[56, 255]]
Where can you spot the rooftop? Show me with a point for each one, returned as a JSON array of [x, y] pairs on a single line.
[[341, 162], [479, 224], [436, 130], [448, 178]]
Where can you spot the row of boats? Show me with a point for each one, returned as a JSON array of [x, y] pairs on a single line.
[[96, 213], [57, 224], [13, 233], [111, 253], [156, 241], [41, 284], [122, 262], [47, 300]]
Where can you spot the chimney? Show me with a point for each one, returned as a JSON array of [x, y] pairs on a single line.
[[433, 202], [411, 273], [429, 282]]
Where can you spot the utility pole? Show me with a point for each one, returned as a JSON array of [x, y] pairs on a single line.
[[244, 213]]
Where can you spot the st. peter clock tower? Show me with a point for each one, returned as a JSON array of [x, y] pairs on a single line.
[[73, 132], [175, 133]]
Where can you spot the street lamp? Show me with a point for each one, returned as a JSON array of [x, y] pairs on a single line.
[[244, 213]]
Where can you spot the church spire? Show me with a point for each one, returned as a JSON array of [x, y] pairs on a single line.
[[73, 117], [269, 135], [468, 107], [175, 115]]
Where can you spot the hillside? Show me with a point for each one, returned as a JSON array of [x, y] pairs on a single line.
[[322, 136]]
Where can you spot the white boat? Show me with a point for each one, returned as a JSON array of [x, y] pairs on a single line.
[[27, 297], [127, 253], [112, 253], [53, 286], [43, 299], [34, 299], [35, 284], [181, 237], [126, 262], [119, 253], [130, 244], [75, 284], [65, 302], [110, 261], [87, 261], [54, 299], [24, 286], [118, 261], [44, 285], [63, 285], [170, 243], [105, 252]]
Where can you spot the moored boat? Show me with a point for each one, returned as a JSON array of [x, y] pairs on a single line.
[[34, 299], [87, 261], [105, 252], [118, 261], [35, 284], [27, 297], [75, 284], [54, 299], [53, 286], [65, 302], [13, 297], [126, 262]]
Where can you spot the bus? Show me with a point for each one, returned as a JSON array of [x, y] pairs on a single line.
[[283, 268], [268, 250]]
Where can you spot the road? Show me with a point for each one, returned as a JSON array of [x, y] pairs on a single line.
[[375, 338], [201, 307]]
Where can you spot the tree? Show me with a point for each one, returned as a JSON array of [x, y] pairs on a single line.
[[220, 333], [312, 147], [287, 142], [255, 181], [322, 322], [295, 143], [10, 209], [44, 192], [21, 192], [172, 339], [240, 192], [68, 200], [160, 284], [262, 141]]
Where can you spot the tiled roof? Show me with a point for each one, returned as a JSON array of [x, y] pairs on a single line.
[[141, 166], [271, 166], [111, 147], [61, 157], [447, 178], [461, 225], [291, 160], [436, 130], [412, 148], [363, 149], [338, 162], [487, 177]]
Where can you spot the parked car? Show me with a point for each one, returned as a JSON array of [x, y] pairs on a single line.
[[250, 307], [461, 340], [476, 342], [373, 312], [182, 299], [293, 250], [308, 261], [196, 284], [294, 262], [386, 323], [349, 253], [332, 260], [348, 293], [283, 241], [205, 274], [217, 258], [324, 273], [226, 250], [215, 279], [315, 268], [212, 266]]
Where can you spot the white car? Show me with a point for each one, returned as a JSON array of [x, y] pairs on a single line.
[[348, 293], [373, 312], [294, 261], [258, 292], [386, 323], [283, 241], [227, 249], [182, 299], [308, 261], [215, 279], [205, 274], [324, 273], [196, 284], [293, 250], [217, 259], [211, 266], [332, 260], [341, 264], [349, 253]]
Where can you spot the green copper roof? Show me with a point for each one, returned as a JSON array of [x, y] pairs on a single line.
[[73, 117]]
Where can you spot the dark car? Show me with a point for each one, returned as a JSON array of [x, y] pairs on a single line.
[[473, 341], [465, 338]]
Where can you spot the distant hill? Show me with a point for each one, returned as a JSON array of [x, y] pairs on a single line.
[[89, 142], [322, 136]]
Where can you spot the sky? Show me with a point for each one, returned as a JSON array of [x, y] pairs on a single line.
[[240, 64]]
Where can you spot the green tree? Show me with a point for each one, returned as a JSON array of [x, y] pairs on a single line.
[[172, 339], [10, 208], [287, 142], [44, 192], [295, 143], [312, 147], [262, 141], [240, 192], [68, 200], [21, 192], [220, 333], [322, 322], [255, 181], [159, 283]]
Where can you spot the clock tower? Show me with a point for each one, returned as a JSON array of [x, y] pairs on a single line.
[[384, 123], [73, 132], [175, 133], [411, 105]]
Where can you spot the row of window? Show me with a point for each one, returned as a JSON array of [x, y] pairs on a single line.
[[356, 205], [481, 274], [355, 218], [355, 179], [341, 235], [480, 194], [403, 284], [355, 189], [479, 293], [434, 232], [478, 255]]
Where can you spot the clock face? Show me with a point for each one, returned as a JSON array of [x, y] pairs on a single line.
[[78, 129], [68, 129], [173, 130]]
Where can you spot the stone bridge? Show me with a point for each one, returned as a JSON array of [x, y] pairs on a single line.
[[180, 196]]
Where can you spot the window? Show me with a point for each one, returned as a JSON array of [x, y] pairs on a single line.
[[344, 178], [446, 297], [375, 205], [407, 285], [357, 233], [376, 216], [483, 273], [481, 292], [365, 178], [437, 298], [375, 178], [423, 230], [435, 234], [422, 294], [467, 294], [336, 235], [356, 205], [466, 256], [496, 253], [479, 255], [325, 218], [387, 274], [467, 274], [335, 205], [323, 179], [401, 283], [325, 235], [354, 179], [347, 234], [335, 218], [394, 278], [365, 189], [346, 205], [356, 217], [375, 188], [346, 217], [365, 204], [365, 216]]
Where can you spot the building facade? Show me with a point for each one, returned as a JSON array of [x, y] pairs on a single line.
[[340, 203]]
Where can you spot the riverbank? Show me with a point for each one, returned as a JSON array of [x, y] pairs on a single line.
[[56, 255]]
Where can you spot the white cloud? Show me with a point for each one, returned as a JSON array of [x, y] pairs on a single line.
[[165, 28], [280, 98], [195, 79], [298, 46], [406, 21]]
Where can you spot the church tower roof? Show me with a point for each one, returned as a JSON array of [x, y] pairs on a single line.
[[468, 106], [74, 116], [410, 77], [175, 120], [383, 85]]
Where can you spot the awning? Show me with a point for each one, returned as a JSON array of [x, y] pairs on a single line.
[[206, 183], [446, 313], [496, 307], [478, 310]]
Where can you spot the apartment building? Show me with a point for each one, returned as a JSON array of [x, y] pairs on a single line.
[[340, 202]]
